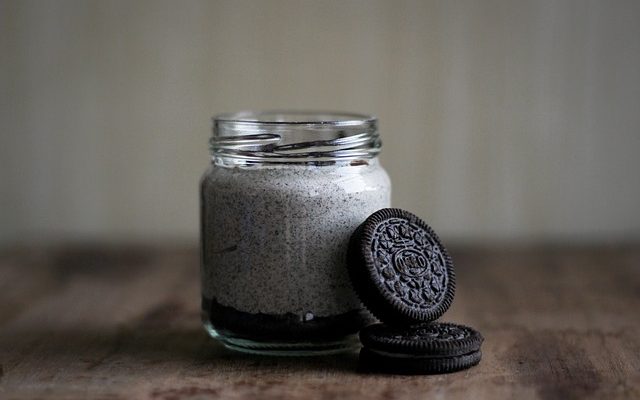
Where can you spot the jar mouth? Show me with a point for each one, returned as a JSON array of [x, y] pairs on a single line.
[[294, 117], [293, 137]]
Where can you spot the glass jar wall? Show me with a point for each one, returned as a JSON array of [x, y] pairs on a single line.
[[279, 202]]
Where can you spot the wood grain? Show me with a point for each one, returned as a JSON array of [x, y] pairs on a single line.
[[123, 323]]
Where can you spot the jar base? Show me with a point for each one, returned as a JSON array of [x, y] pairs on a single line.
[[297, 349], [284, 334]]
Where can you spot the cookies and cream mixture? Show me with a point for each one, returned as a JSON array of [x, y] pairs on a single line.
[[275, 237]]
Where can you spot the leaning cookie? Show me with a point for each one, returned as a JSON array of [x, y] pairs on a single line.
[[399, 268], [432, 348]]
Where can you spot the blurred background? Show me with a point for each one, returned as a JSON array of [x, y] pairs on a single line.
[[501, 120]]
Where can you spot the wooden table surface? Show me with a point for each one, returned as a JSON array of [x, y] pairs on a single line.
[[123, 323]]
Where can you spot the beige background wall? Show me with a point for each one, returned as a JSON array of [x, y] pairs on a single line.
[[500, 119]]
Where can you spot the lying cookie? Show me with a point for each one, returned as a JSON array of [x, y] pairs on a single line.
[[432, 348]]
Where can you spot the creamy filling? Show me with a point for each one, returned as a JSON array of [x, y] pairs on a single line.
[[275, 239]]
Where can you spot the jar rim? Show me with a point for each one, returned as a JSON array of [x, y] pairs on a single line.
[[296, 117], [293, 137]]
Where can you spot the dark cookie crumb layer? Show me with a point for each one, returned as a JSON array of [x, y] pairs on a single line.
[[287, 327]]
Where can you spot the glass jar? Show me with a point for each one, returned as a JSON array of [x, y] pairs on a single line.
[[283, 194]]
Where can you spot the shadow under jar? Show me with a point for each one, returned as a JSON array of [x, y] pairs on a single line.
[[283, 194]]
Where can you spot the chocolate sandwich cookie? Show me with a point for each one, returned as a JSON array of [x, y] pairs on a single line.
[[431, 348], [400, 269]]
